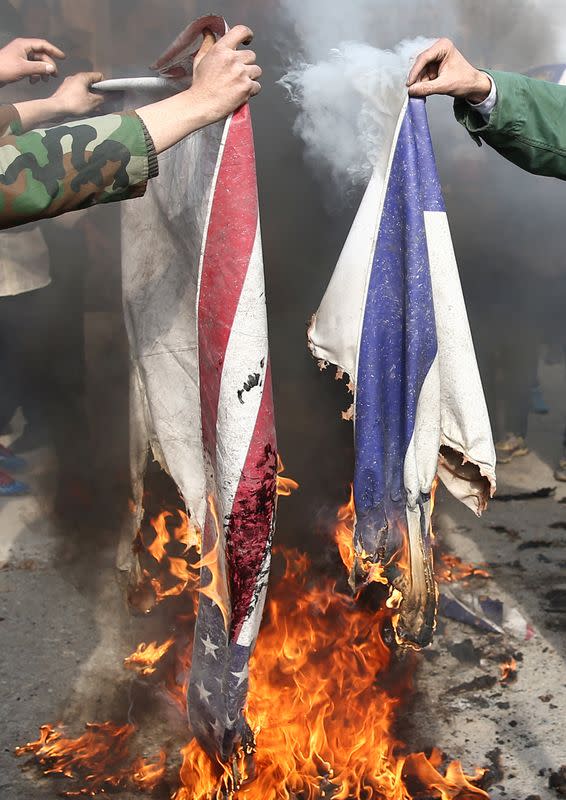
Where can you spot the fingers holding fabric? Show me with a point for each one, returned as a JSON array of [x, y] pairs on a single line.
[[239, 34], [442, 69]]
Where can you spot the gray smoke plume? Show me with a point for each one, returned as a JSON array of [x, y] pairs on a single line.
[[513, 35], [344, 102], [344, 82]]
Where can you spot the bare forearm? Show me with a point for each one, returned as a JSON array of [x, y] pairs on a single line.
[[34, 113], [480, 88], [168, 121], [73, 98]]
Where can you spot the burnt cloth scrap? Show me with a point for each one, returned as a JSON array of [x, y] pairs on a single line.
[[394, 319], [194, 302]]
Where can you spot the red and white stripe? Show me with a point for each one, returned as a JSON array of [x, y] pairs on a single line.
[[233, 345]]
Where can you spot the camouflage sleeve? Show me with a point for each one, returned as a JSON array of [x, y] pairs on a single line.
[[44, 173], [9, 120]]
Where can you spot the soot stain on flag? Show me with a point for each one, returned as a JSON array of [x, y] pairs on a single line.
[[251, 383]]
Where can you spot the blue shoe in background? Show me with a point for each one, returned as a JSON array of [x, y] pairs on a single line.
[[10, 487], [538, 403], [10, 461]]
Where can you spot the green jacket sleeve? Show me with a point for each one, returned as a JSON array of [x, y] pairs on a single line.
[[527, 125], [44, 173]]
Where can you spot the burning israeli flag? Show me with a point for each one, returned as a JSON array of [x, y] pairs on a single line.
[[393, 318]]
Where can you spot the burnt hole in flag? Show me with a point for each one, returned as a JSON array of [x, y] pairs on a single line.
[[251, 383]]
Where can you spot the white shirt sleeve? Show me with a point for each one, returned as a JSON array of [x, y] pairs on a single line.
[[486, 106]]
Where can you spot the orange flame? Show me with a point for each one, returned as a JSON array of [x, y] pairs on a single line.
[[323, 719], [508, 671], [451, 569], [201, 778], [147, 775], [168, 566], [344, 538], [433, 492], [343, 534], [322, 726], [285, 486], [146, 657], [376, 574], [99, 760], [176, 679], [216, 590], [172, 574], [162, 537]]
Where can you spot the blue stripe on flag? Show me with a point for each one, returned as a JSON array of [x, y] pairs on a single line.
[[398, 343]]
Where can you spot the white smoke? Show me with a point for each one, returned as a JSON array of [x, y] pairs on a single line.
[[319, 25], [348, 103], [345, 91]]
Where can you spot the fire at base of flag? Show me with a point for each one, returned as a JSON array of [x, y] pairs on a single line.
[[322, 705]]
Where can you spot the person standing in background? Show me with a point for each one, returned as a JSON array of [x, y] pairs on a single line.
[[24, 271]]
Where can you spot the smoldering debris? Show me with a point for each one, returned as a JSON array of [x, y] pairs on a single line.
[[556, 600], [495, 772], [539, 544], [481, 683], [511, 533], [557, 781], [465, 652], [483, 613], [537, 494]]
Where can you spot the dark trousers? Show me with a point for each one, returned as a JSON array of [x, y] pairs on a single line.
[[42, 359], [508, 349]]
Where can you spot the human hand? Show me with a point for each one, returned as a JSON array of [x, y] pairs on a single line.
[[442, 69], [74, 98], [224, 78], [28, 58]]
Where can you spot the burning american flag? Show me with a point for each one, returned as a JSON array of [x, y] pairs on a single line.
[[201, 387]]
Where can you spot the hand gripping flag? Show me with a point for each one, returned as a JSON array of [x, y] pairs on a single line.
[[195, 312], [394, 319]]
